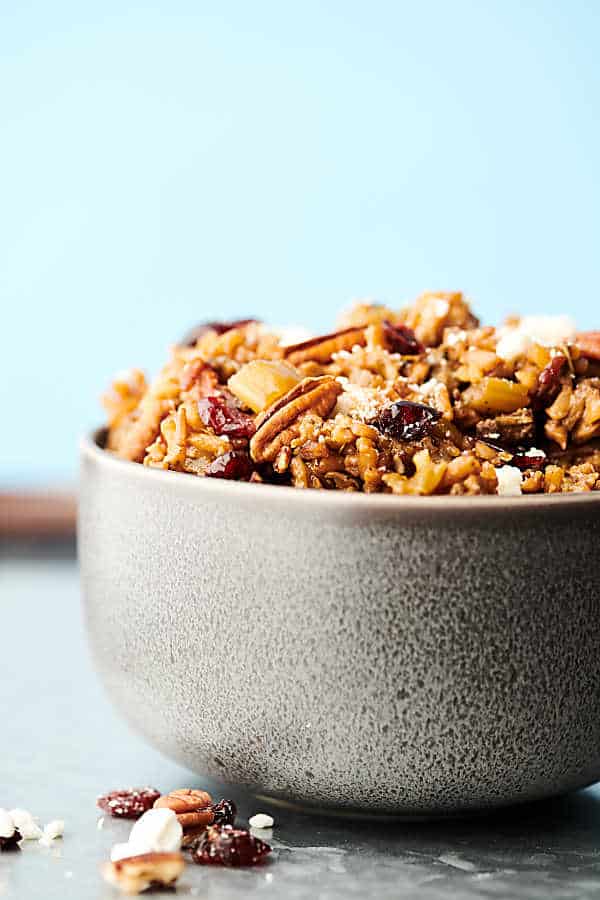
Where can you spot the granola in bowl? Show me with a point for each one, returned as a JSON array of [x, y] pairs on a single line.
[[421, 401]]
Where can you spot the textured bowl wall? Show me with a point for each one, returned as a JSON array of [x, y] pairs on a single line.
[[415, 656]]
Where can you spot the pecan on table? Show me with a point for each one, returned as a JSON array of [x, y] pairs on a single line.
[[135, 874], [193, 808]]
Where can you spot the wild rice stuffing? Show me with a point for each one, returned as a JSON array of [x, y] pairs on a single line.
[[420, 401]]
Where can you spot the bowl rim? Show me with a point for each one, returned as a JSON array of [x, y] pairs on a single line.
[[335, 500]]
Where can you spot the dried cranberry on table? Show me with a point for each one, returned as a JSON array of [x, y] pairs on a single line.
[[405, 420], [12, 842], [130, 803], [223, 845], [233, 464], [402, 339], [191, 336], [224, 812], [224, 418]]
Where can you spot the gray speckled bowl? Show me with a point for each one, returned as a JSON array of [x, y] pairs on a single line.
[[419, 656]]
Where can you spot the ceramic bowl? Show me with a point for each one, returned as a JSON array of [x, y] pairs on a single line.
[[415, 656]]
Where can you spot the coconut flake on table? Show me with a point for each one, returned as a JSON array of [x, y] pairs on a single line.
[[550, 331], [510, 480]]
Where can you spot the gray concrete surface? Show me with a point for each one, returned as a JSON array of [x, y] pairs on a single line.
[[61, 745]]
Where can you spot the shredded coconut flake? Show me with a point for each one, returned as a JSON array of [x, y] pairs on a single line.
[[360, 402]]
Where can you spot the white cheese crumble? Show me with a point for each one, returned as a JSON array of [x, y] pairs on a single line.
[[510, 480], [261, 820], [7, 826], [549, 331], [24, 821], [536, 453], [440, 307], [512, 343], [289, 334], [127, 849], [159, 830], [53, 830], [432, 390], [455, 337]]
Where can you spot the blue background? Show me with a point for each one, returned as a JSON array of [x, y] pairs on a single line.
[[162, 163]]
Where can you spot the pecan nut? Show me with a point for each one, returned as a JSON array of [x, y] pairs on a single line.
[[280, 423], [135, 874], [588, 343], [322, 348], [184, 800], [193, 808]]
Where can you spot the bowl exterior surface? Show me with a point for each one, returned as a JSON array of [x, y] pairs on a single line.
[[379, 658]]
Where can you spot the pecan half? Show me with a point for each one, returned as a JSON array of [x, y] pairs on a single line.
[[193, 808], [588, 343], [135, 874], [191, 337], [279, 424], [321, 349]]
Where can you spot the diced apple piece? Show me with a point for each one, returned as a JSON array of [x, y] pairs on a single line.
[[260, 382], [496, 395]]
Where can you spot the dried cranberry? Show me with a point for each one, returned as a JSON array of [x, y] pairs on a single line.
[[12, 842], [548, 384], [402, 339], [190, 337], [224, 418], [405, 420], [223, 845], [224, 812], [128, 804], [233, 464], [525, 459]]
